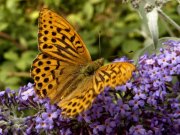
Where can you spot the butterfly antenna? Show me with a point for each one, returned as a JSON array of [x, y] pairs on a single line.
[[99, 44]]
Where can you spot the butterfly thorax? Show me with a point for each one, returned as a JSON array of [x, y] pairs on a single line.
[[91, 67]]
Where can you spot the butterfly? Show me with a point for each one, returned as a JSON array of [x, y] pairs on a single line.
[[64, 72]]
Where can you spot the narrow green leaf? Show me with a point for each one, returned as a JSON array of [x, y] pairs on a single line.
[[152, 18]]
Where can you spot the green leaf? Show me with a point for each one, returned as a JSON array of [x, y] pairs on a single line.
[[34, 15], [152, 18], [75, 19], [3, 26], [11, 55], [12, 82], [25, 61], [95, 1], [116, 41], [88, 10], [130, 45]]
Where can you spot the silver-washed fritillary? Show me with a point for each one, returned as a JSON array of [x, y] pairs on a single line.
[[63, 70]]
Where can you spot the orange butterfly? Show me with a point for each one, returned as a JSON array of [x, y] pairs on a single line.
[[63, 70]]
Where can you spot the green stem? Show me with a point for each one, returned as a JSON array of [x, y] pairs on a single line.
[[167, 18]]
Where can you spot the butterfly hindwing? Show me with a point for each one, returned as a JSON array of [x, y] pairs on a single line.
[[78, 104], [51, 78], [112, 75], [42, 72], [79, 100]]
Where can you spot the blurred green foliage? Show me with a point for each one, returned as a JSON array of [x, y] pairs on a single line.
[[114, 26]]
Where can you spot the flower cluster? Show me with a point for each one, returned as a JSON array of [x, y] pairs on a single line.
[[146, 105]]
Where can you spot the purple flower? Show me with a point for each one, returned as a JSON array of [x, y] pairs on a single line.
[[137, 130], [43, 124], [66, 132], [99, 129], [26, 94], [49, 116], [139, 93], [122, 59], [163, 60], [136, 104], [122, 108], [148, 104]]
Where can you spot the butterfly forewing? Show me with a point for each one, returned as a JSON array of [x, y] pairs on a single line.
[[59, 39], [61, 47]]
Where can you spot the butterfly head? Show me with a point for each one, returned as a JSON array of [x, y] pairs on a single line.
[[100, 61]]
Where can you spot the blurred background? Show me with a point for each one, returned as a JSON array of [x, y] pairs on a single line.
[[113, 25]]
